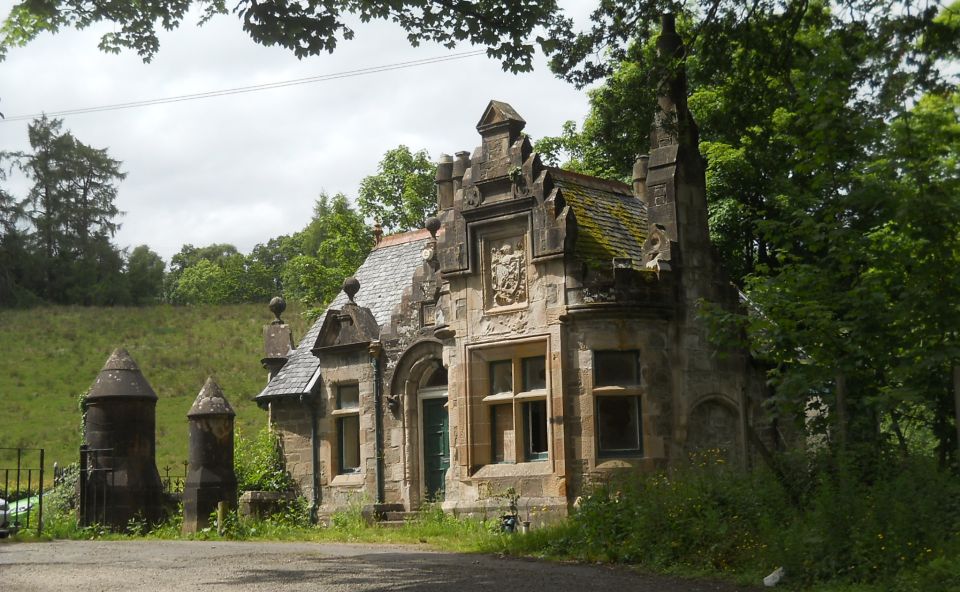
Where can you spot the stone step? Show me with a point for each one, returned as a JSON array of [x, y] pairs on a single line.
[[399, 516]]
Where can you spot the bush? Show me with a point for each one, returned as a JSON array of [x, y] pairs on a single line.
[[258, 463], [898, 528]]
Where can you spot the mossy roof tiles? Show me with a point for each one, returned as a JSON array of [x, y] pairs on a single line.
[[611, 222]]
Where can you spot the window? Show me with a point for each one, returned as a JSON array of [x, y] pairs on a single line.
[[347, 414], [517, 408], [617, 395]]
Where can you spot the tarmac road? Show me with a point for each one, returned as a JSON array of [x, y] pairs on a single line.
[[174, 566]]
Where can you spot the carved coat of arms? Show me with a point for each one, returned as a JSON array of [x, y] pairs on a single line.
[[508, 278]]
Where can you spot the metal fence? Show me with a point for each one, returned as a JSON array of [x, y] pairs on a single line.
[[21, 471], [96, 471]]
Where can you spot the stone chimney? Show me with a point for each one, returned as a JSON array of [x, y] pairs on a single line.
[[277, 340], [444, 182]]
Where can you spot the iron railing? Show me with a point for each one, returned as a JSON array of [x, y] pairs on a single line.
[[22, 479]]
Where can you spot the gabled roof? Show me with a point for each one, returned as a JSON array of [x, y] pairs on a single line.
[[383, 276], [611, 222]]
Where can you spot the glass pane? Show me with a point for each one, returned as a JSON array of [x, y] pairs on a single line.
[[349, 428], [501, 418], [348, 396], [618, 424], [612, 368], [534, 373], [535, 418], [501, 377]]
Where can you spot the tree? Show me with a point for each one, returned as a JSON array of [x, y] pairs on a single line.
[[830, 144], [335, 243], [145, 276], [217, 274], [402, 194], [71, 210], [306, 28]]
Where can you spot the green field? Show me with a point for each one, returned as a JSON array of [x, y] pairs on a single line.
[[50, 356]]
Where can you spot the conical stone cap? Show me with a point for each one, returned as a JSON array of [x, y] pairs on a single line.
[[211, 401], [120, 377]]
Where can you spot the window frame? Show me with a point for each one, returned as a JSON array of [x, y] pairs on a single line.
[[518, 399], [341, 415], [606, 389]]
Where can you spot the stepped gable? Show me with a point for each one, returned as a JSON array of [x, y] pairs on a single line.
[[611, 222], [383, 275]]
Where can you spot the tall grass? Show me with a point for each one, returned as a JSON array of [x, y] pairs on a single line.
[[50, 356]]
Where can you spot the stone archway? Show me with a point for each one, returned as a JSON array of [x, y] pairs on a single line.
[[419, 375], [713, 427]]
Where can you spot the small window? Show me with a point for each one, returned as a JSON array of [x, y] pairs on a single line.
[[534, 373], [348, 396], [501, 423], [618, 425], [535, 424], [348, 428], [616, 368], [501, 377]]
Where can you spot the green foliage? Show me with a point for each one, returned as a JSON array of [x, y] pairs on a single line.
[[64, 253], [53, 354], [831, 527], [332, 247], [402, 194], [306, 29], [258, 462], [145, 276]]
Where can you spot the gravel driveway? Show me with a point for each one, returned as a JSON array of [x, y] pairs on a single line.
[[81, 566]]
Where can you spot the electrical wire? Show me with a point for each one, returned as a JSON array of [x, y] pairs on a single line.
[[253, 88]]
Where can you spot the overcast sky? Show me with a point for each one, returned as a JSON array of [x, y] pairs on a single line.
[[244, 168]]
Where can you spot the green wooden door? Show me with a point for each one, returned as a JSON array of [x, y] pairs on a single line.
[[436, 446]]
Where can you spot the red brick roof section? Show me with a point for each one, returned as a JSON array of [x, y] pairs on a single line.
[[403, 238]]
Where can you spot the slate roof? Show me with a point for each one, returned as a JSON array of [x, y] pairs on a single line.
[[611, 222], [387, 270]]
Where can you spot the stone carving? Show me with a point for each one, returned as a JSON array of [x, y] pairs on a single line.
[[508, 274]]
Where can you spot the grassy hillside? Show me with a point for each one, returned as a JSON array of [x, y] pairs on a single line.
[[49, 356]]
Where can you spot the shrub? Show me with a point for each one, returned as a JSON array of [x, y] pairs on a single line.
[[259, 464]]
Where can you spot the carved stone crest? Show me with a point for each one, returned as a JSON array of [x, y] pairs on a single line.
[[507, 275]]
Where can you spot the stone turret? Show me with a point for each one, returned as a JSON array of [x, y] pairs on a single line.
[[120, 427], [210, 475]]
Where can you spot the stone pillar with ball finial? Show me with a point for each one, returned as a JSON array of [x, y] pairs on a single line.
[[277, 339]]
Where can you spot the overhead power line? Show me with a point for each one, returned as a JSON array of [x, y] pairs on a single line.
[[253, 88]]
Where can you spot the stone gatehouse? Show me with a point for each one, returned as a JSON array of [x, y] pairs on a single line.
[[539, 334]]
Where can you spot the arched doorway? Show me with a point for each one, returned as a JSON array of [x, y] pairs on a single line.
[[434, 433]]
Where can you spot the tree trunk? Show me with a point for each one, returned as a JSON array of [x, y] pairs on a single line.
[[956, 404]]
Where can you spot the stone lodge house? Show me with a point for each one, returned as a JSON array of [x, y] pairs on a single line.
[[540, 334]]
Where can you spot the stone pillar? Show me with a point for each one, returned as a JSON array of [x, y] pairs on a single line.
[[210, 475], [277, 340], [120, 434]]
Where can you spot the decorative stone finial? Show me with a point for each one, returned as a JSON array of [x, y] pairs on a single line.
[[351, 286], [277, 306], [377, 233], [433, 225]]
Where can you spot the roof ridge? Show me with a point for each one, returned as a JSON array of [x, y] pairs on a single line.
[[591, 181]]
